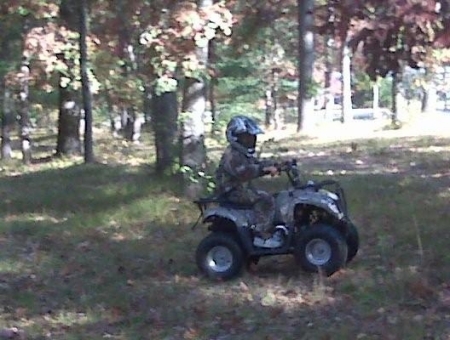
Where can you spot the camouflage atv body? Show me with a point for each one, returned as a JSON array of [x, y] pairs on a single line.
[[319, 232]]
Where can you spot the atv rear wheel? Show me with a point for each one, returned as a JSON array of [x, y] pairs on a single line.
[[321, 247], [219, 256]]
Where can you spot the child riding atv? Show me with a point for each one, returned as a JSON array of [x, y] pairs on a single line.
[[237, 168]]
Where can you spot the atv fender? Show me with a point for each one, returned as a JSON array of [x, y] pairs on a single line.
[[239, 218], [287, 201]]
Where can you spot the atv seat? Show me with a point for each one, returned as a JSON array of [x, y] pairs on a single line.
[[222, 201]]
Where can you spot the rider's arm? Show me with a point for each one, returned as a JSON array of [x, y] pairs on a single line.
[[242, 168]]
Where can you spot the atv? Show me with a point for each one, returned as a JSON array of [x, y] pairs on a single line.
[[316, 225]]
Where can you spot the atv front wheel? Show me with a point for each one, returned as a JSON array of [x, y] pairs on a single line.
[[352, 240], [219, 256], [321, 247]]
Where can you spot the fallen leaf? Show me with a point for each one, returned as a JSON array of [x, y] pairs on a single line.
[[268, 300]]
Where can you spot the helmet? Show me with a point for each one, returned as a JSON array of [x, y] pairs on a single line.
[[237, 128]]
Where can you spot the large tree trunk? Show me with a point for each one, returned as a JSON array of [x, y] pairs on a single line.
[[8, 121], [68, 142], [164, 117], [193, 152], [305, 119], [24, 113], [193, 155], [86, 89]]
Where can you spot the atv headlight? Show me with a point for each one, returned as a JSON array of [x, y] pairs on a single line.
[[332, 195]]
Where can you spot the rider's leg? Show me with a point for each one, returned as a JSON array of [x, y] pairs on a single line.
[[268, 235], [264, 213]]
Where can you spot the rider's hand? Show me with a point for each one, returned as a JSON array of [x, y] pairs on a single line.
[[272, 170]]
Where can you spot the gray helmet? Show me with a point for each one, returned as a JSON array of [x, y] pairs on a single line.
[[239, 125]]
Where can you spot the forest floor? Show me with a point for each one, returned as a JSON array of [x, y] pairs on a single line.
[[106, 251]]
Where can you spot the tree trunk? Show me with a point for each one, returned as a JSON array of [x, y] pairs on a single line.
[[212, 58], [212, 101], [269, 107], [328, 100], [24, 113], [86, 88], [129, 130], [164, 112], [429, 99], [114, 122], [193, 153], [147, 104], [376, 99], [305, 64], [68, 141], [394, 98], [128, 70], [8, 122], [346, 84]]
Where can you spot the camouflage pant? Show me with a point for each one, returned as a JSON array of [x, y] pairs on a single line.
[[263, 206]]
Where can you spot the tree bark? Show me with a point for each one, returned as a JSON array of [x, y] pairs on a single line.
[[346, 84], [147, 104], [7, 122], [68, 140], [24, 112], [429, 99], [86, 88], [328, 100], [164, 115], [376, 99], [193, 153], [129, 67], [212, 58], [305, 63], [394, 98], [269, 107]]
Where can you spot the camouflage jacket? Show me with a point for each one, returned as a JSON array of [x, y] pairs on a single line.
[[235, 173]]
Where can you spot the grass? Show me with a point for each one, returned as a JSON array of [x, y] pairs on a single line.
[[105, 251]]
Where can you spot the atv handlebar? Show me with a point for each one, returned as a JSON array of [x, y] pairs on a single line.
[[293, 172]]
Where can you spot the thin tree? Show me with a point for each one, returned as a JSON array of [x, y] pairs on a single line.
[[24, 112], [7, 120], [305, 61], [346, 113], [86, 89]]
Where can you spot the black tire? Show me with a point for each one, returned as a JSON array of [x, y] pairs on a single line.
[[328, 243], [231, 255], [352, 240]]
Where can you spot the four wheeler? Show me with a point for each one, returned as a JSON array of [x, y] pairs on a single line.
[[317, 229]]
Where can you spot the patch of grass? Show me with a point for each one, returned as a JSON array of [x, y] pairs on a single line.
[[106, 251]]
